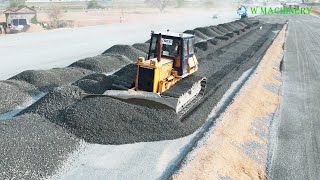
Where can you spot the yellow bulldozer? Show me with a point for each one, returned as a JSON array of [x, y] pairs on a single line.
[[166, 74]]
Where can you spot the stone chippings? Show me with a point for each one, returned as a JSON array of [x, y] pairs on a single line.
[[46, 80], [14, 93], [52, 103], [102, 63], [142, 47], [32, 147], [208, 32], [95, 83], [199, 35], [129, 51]]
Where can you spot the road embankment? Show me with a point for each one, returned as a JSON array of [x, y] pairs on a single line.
[[237, 146]]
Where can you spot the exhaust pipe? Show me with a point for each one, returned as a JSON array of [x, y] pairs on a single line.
[[159, 47]]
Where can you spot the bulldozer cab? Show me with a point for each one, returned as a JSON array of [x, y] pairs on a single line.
[[175, 46]]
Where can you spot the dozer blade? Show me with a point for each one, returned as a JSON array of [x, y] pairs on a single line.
[[137, 97], [181, 97]]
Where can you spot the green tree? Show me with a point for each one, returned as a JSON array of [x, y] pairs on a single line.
[[55, 16], [180, 3], [93, 4], [160, 4], [34, 20], [209, 3], [17, 3]]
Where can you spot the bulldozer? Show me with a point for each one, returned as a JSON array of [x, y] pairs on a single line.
[[166, 75]]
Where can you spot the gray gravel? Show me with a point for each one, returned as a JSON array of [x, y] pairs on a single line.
[[199, 35], [103, 63], [14, 93], [208, 32], [33, 147], [46, 80], [130, 52], [125, 77], [51, 104], [221, 32], [142, 46], [95, 83], [202, 45]]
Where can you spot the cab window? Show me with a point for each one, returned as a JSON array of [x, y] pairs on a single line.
[[153, 48], [170, 47], [185, 47], [191, 46]]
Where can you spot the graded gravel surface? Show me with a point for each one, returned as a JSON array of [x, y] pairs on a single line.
[[33, 147], [295, 152]]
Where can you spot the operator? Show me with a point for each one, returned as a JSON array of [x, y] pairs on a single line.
[[174, 51]]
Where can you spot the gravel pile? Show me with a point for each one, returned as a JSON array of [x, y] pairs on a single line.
[[230, 28], [208, 32], [33, 147], [14, 93], [103, 63], [51, 104], [142, 47], [95, 83], [222, 31], [199, 35], [125, 77], [226, 31], [111, 121], [46, 80], [23, 86], [244, 24], [202, 45], [237, 26], [128, 51]]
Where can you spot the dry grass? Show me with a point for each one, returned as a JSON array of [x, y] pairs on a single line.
[[82, 18], [316, 11]]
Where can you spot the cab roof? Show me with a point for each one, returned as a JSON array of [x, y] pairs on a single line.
[[174, 34]]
